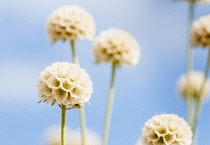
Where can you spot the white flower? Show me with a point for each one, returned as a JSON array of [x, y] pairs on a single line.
[[116, 45], [65, 83], [70, 23], [201, 32], [73, 137], [193, 83], [166, 129]]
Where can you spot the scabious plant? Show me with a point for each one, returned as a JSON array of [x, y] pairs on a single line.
[[198, 32], [194, 80], [194, 87], [52, 137], [200, 37], [64, 83], [119, 48], [201, 32], [115, 45], [166, 129], [70, 23]]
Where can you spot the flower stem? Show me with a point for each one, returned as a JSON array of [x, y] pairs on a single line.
[[189, 59], [81, 110], [199, 98], [109, 106], [82, 124], [74, 55], [63, 125]]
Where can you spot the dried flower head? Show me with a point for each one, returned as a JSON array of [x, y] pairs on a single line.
[[166, 129], [193, 83], [201, 32], [65, 83], [73, 137], [70, 23], [116, 45]]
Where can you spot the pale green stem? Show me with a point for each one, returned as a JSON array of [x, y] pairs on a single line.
[[82, 124], [199, 98], [109, 106], [74, 55], [81, 110], [189, 60], [63, 125]]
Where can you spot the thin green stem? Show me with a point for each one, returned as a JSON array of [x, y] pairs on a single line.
[[81, 110], [189, 59], [63, 125], [74, 55], [199, 98], [109, 106], [82, 124]]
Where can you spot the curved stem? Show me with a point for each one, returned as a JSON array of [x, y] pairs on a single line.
[[199, 98], [109, 106], [63, 125], [189, 59], [81, 110]]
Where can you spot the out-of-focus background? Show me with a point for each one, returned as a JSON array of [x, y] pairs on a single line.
[[160, 26]]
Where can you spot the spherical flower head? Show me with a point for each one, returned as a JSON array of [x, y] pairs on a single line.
[[201, 32], [73, 137], [202, 1], [65, 83], [166, 129], [193, 83], [116, 45], [70, 23]]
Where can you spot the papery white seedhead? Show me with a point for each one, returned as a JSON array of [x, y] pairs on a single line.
[[115, 45], [193, 82], [65, 83], [70, 23], [201, 32], [166, 129]]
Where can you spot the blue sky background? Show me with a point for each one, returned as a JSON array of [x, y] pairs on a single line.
[[141, 92]]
